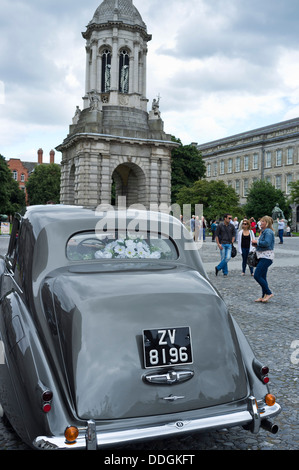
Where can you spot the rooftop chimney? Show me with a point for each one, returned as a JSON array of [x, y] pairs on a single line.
[[52, 156], [40, 156]]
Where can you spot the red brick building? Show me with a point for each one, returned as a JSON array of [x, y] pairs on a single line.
[[21, 170]]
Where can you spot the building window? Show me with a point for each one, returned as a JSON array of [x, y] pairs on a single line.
[[238, 164], [245, 188], [15, 175], [246, 163], [268, 179], [268, 160], [208, 170], [237, 187], [215, 169], [124, 71], [289, 179], [290, 156], [22, 178], [222, 167], [229, 165], [278, 157], [255, 161], [106, 71], [278, 182]]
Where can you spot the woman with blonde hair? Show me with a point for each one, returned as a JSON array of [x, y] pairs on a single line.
[[265, 254]]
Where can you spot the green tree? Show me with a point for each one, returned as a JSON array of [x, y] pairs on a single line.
[[43, 185], [294, 195], [12, 198], [262, 198], [187, 166], [216, 197]]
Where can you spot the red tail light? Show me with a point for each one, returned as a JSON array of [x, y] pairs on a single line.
[[261, 371], [47, 397]]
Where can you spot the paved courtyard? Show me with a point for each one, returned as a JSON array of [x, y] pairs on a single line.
[[273, 332]]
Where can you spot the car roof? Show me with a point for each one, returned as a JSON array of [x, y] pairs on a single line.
[[40, 216], [51, 226]]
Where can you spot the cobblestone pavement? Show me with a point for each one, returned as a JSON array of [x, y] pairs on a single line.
[[273, 332]]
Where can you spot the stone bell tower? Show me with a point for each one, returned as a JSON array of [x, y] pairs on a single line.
[[115, 146]]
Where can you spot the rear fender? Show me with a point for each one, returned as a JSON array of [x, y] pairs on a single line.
[[29, 374], [257, 388]]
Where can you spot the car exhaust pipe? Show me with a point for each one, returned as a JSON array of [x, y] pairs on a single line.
[[269, 426]]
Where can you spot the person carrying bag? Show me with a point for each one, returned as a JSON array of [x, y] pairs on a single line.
[[265, 254]]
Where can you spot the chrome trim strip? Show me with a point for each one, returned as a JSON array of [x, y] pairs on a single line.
[[103, 439], [169, 378]]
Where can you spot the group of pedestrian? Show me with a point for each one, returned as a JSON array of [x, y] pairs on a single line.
[[198, 228], [245, 234]]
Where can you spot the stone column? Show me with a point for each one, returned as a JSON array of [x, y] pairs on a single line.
[[114, 65], [144, 57], [105, 188], [154, 180], [87, 71], [135, 88], [63, 183], [93, 78], [93, 180], [99, 72], [165, 182], [82, 181]]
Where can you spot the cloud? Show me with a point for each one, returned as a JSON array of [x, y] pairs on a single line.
[[221, 67]]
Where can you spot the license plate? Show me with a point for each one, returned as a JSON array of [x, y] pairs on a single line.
[[167, 347]]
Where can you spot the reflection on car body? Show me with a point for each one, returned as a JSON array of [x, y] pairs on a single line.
[[115, 336]]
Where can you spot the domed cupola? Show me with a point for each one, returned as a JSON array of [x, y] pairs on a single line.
[[117, 11], [116, 53]]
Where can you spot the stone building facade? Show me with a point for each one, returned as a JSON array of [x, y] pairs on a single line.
[[114, 143], [270, 153]]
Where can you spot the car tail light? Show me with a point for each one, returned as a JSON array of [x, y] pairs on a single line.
[[270, 399], [261, 371], [265, 370], [46, 407], [71, 433], [47, 397]]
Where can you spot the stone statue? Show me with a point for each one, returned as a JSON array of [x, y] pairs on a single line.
[[124, 79], [277, 213], [155, 106], [94, 101], [77, 115], [107, 77]]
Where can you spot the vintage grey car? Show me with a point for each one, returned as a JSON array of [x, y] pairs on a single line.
[[112, 333]]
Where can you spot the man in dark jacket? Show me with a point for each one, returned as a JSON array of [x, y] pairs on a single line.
[[225, 237]]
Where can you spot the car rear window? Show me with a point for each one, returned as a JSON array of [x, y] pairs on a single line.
[[95, 246]]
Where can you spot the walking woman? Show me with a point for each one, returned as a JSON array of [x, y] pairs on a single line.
[[265, 253], [245, 237]]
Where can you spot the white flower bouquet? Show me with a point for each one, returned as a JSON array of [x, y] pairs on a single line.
[[136, 248]]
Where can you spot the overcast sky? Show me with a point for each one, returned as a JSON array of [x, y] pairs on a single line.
[[220, 66]]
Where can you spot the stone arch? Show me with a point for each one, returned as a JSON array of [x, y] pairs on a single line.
[[130, 181]]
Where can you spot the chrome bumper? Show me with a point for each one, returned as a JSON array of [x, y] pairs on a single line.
[[91, 438]]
